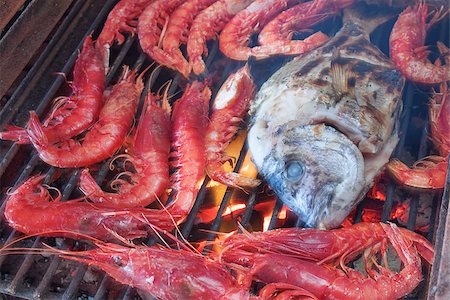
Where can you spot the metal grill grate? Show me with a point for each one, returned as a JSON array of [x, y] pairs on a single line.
[[18, 162]]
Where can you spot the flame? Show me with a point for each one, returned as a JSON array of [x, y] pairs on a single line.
[[267, 215], [266, 222], [248, 168], [233, 208], [282, 214], [212, 184]]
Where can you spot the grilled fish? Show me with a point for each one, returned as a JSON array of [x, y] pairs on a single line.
[[324, 125]]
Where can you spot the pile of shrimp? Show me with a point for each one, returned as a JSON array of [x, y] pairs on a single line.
[[172, 148]]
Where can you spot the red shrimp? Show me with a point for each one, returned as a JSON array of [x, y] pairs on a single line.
[[74, 114], [103, 139], [156, 271], [314, 244], [29, 210], [206, 26], [152, 25], [235, 37], [427, 173], [431, 171], [122, 19], [189, 123], [439, 115], [178, 30], [149, 155], [407, 48], [279, 31], [342, 282], [230, 106]]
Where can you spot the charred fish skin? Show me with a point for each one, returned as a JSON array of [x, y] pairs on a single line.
[[328, 117]]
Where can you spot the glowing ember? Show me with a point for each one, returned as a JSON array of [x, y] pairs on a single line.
[[400, 210], [378, 190]]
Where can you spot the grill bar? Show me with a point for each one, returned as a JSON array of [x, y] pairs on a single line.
[[58, 82], [188, 226], [26, 35], [440, 271], [14, 102]]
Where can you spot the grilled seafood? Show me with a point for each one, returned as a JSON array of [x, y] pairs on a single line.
[[122, 19], [103, 139], [431, 171], [149, 155], [189, 123], [230, 106], [342, 282], [323, 246], [322, 127], [178, 30], [234, 38], [279, 31], [206, 27], [152, 25], [72, 115], [29, 210], [407, 48], [156, 271]]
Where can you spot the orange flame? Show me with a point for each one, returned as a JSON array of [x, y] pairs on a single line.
[[233, 208]]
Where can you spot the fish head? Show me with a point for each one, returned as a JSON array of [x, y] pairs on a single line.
[[316, 171]]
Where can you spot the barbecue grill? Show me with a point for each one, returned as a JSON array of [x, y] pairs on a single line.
[[41, 37]]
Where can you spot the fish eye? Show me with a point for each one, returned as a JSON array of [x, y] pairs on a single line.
[[294, 170]]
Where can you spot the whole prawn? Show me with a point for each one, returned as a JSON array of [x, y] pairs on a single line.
[[316, 245], [303, 16], [104, 138], [149, 155], [29, 210], [230, 106], [329, 282], [189, 123], [178, 30], [74, 114], [431, 171], [235, 37], [206, 26], [407, 48], [152, 26], [122, 19], [156, 271]]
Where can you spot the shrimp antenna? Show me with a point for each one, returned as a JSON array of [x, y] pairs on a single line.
[[177, 229], [119, 237], [79, 234], [242, 228], [159, 236]]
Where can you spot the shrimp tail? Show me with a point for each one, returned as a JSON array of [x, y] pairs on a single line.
[[16, 134], [35, 131], [399, 243]]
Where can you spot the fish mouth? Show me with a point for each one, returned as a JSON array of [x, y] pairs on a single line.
[[317, 172]]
